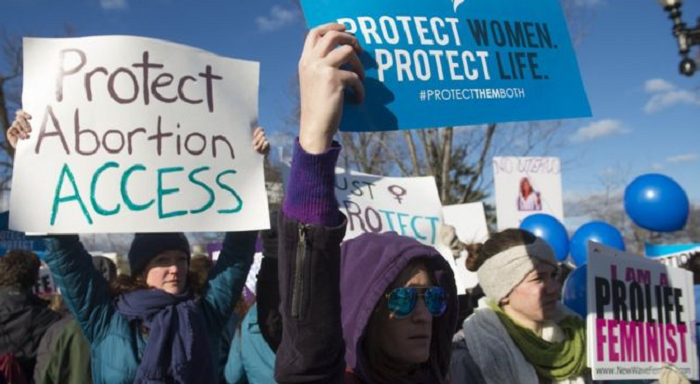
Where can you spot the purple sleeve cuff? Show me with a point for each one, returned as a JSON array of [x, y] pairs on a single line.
[[310, 196]]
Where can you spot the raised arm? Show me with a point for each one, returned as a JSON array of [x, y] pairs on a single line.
[[85, 291], [226, 279], [228, 276], [311, 227]]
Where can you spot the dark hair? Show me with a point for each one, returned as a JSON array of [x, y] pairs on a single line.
[[693, 265], [499, 242], [19, 268]]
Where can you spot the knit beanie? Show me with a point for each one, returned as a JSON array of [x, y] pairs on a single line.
[[147, 245]]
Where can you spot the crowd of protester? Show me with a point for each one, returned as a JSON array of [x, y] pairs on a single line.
[[380, 308]]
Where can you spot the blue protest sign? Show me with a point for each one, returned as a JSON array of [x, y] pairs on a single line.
[[457, 62], [661, 250], [10, 240]]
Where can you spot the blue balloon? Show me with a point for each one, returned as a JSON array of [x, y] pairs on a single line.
[[574, 294], [657, 203], [550, 230], [597, 231]]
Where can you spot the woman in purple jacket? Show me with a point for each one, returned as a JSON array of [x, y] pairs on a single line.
[[398, 297]]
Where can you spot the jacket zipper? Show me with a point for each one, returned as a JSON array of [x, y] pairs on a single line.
[[298, 293]]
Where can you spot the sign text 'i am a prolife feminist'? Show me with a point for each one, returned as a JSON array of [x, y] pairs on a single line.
[[137, 135], [443, 63], [641, 317]]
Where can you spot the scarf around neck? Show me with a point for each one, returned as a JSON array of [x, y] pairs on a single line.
[[556, 361], [177, 349]]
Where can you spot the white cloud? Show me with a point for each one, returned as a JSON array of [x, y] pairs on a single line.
[[599, 129], [658, 85], [688, 157], [278, 18], [661, 101], [665, 94], [588, 3], [110, 5], [657, 167]]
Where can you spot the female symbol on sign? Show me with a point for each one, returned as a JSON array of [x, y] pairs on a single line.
[[397, 191]]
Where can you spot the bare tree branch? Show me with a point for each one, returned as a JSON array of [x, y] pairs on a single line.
[[446, 163], [482, 160], [397, 161], [412, 151]]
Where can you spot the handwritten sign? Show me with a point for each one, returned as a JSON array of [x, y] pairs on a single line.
[[455, 62], [409, 206], [641, 316], [45, 284], [137, 135], [525, 186]]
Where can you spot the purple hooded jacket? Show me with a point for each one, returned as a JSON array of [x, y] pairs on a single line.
[[314, 339], [369, 265]]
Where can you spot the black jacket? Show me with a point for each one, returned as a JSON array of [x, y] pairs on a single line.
[[312, 350], [24, 318]]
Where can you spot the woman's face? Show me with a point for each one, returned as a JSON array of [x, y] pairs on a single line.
[[407, 340], [525, 187], [167, 271], [535, 299]]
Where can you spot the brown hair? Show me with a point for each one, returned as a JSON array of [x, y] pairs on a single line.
[[379, 364], [199, 271], [19, 268], [499, 242]]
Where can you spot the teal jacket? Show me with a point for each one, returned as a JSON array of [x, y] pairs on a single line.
[[116, 344], [250, 360]]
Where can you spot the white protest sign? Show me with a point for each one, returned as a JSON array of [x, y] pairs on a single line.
[[137, 135], [44, 284], [525, 186], [409, 206], [251, 281], [469, 221], [641, 316]]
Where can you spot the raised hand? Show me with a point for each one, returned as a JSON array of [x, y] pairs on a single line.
[[260, 143], [323, 82], [19, 129]]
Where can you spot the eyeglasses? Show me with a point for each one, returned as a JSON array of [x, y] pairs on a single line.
[[402, 300]]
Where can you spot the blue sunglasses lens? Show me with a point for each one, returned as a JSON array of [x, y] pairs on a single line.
[[402, 301], [435, 301]]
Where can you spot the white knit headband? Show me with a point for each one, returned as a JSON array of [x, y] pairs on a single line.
[[503, 271]]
